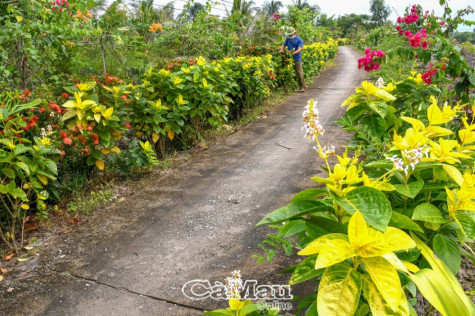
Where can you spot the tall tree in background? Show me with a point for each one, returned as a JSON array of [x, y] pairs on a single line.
[[303, 4], [272, 6], [193, 11], [380, 11]]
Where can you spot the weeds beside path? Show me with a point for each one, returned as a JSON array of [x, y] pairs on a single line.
[[197, 222]]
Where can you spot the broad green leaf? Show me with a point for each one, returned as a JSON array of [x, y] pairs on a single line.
[[386, 279], [379, 107], [305, 271], [333, 252], [23, 166], [427, 212], [371, 203], [378, 305], [315, 246], [467, 224], [309, 194], [292, 210], [410, 189], [374, 125], [448, 251], [380, 164], [69, 114], [339, 291], [327, 224], [9, 173], [220, 312], [404, 222], [439, 286]]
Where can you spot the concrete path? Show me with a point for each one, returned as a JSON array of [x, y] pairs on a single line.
[[197, 222]]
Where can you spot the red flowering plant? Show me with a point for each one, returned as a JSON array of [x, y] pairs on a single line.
[[94, 119], [372, 60], [429, 42], [27, 165]]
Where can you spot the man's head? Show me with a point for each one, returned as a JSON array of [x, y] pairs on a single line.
[[291, 32]]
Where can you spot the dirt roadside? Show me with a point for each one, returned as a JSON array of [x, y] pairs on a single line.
[[197, 222]]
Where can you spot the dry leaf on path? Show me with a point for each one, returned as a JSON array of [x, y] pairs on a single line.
[[8, 256]]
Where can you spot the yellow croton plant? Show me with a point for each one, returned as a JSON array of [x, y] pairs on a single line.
[[342, 283]]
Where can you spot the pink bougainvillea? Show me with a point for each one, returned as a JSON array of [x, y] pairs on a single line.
[[372, 60]]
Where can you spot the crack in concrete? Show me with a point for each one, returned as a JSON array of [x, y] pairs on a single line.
[[121, 288]]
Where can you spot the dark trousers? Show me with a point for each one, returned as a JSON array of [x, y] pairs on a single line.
[[299, 70]]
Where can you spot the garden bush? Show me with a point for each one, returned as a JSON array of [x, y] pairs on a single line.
[[394, 217]]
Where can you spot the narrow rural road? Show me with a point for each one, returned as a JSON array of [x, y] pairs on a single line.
[[196, 222]]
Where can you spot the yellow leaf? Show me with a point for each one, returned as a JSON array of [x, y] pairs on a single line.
[[42, 178], [108, 113], [180, 100], [86, 86], [466, 136], [392, 240], [386, 279], [97, 117], [454, 173], [115, 150], [439, 286], [19, 18], [177, 80], [357, 231], [205, 83], [100, 164], [434, 115], [339, 291], [1, 278], [376, 301], [394, 260], [235, 304], [334, 251], [315, 246], [155, 137], [158, 104], [22, 259], [25, 206], [145, 146], [105, 151], [171, 134]]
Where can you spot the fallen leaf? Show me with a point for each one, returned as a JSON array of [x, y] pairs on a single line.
[[22, 259], [30, 227], [75, 220], [10, 289], [1, 278], [9, 256], [28, 248], [3, 271]]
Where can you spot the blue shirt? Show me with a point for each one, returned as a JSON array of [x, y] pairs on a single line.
[[294, 44]]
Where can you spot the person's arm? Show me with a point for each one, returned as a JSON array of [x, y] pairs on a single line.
[[297, 51]]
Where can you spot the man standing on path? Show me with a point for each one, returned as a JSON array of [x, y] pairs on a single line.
[[295, 45]]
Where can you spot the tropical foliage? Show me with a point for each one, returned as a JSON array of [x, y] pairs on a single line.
[[394, 217]]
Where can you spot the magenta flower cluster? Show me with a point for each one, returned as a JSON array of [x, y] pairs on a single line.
[[372, 60], [410, 18], [60, 5]]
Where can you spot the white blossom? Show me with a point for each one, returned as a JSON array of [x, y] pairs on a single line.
[[234, 285]]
